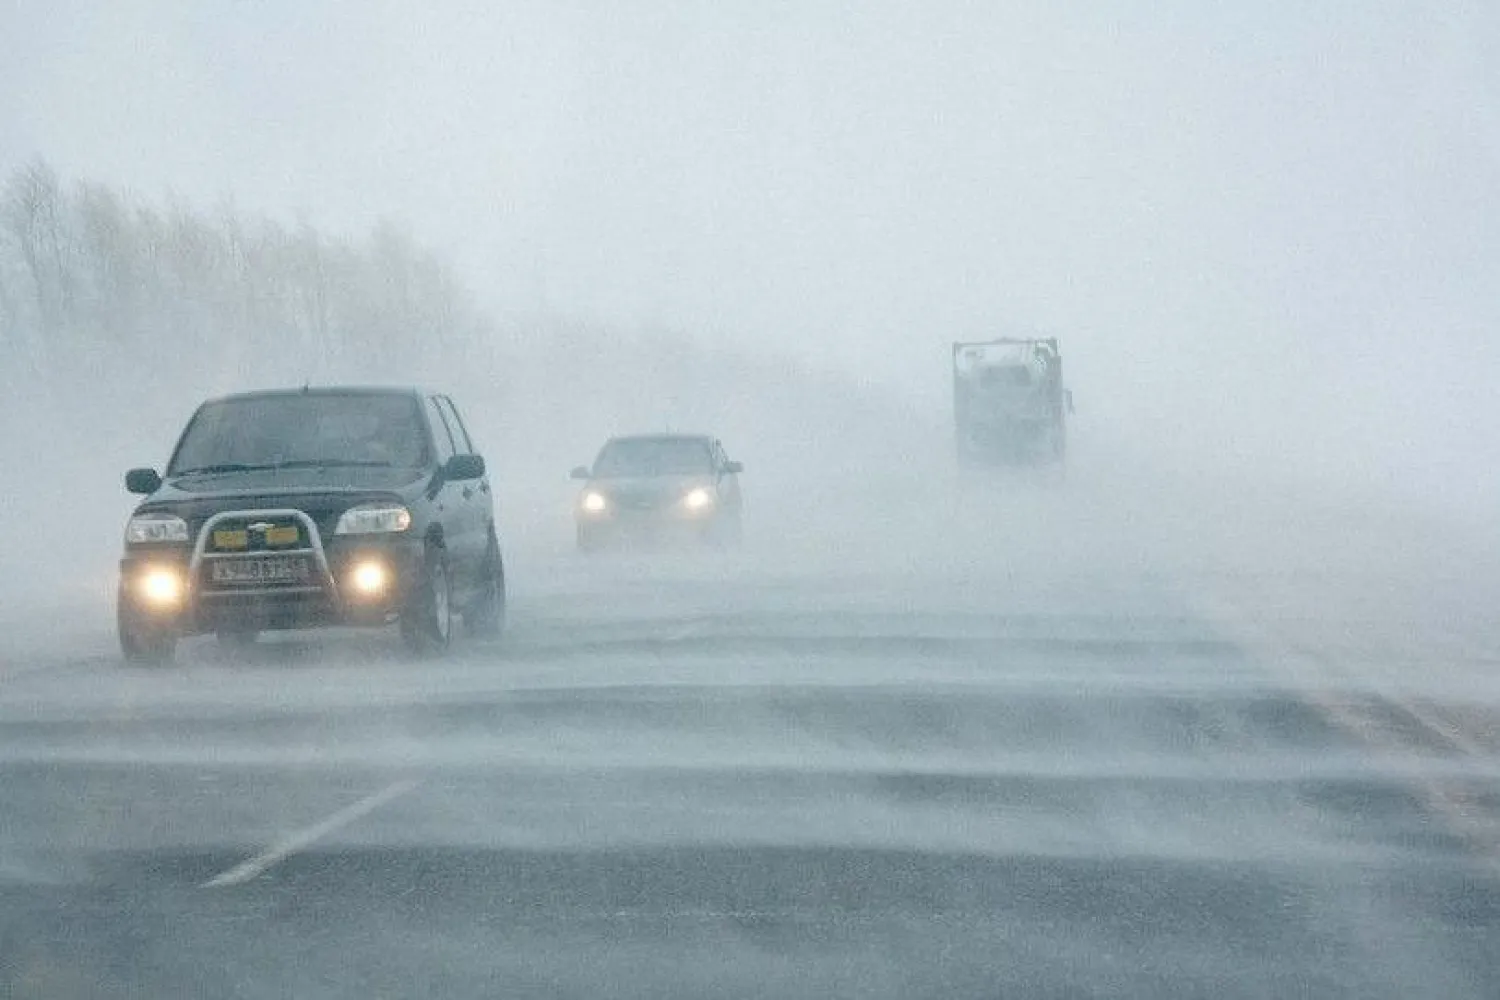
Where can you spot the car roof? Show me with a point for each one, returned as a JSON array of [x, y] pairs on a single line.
[[324, 390]]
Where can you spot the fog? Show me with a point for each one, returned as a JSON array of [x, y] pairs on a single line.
[[1266, 239], [1245, 638]]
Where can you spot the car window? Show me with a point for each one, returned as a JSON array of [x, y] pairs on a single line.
[[440, 432], [303, 429], [461, 439]]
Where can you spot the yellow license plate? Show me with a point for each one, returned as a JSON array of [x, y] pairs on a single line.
[[231, 539], [286, 535]]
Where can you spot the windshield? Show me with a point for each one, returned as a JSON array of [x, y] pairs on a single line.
[[654, 457], [313, 429]]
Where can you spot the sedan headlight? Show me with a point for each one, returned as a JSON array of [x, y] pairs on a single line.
[[146, 528], [373, 519], [698, 499], [594, 502]]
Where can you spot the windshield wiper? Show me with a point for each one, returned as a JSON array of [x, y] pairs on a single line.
[[331, 463], [210, 470], [296, 463]]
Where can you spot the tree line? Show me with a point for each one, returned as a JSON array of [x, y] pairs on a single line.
[[119, 314], [96, 282]]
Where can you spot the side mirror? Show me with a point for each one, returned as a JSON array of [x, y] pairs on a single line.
[[464, 467], [733, 468], [582, 472], [142, 481]]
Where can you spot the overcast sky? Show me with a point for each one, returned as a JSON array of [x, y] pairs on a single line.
[[1250, 190]]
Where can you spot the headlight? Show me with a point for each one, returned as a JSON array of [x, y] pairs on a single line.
[[160, 587], [373, 519], [594, 502], [145, 528], [698, 499], [369, 579]]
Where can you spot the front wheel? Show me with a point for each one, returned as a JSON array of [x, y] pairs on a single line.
[[590, 540], [727, 532], [143, 641], [427, 619], [486, 616]]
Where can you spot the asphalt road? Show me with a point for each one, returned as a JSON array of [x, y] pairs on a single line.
[[1037, 744]]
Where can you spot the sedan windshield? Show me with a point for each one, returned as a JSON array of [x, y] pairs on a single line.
[[654, 457], [310, 430]]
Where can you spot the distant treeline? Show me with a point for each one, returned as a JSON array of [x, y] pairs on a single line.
[[119, 314], [94, 281]]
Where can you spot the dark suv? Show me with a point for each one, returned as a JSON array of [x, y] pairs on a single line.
[[309, 507]]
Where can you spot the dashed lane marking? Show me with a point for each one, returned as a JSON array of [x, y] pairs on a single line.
[[302, 839]]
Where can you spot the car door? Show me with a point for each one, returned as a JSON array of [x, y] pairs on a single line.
[[448, 501], [475, 502]]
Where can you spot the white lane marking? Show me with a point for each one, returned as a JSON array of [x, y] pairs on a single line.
[[304, 838]]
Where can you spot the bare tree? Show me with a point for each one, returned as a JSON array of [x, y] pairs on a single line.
[[93, 280], [31, 214]]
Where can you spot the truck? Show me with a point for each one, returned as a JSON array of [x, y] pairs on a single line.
[[1009, 403]]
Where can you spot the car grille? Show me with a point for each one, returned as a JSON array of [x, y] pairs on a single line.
[[643, 501], [259, 552], [256, 534]]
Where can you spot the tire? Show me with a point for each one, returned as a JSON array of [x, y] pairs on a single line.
[[727, 532], [141, 642], [589, 541], [485, 618], [427, 618]]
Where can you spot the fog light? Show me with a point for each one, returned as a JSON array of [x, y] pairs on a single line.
[[368, 579], [160, 587]]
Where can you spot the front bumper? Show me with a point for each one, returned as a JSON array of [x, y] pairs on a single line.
[[662, 526], [329, 595]]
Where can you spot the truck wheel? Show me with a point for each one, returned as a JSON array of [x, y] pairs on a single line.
[[142, 641], [427, 619], [486, 616]]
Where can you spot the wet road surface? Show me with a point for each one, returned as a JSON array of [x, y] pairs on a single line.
[[958, 775]]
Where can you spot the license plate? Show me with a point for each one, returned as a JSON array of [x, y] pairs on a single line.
[[289, 570], [226, 538], [286, 535]]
